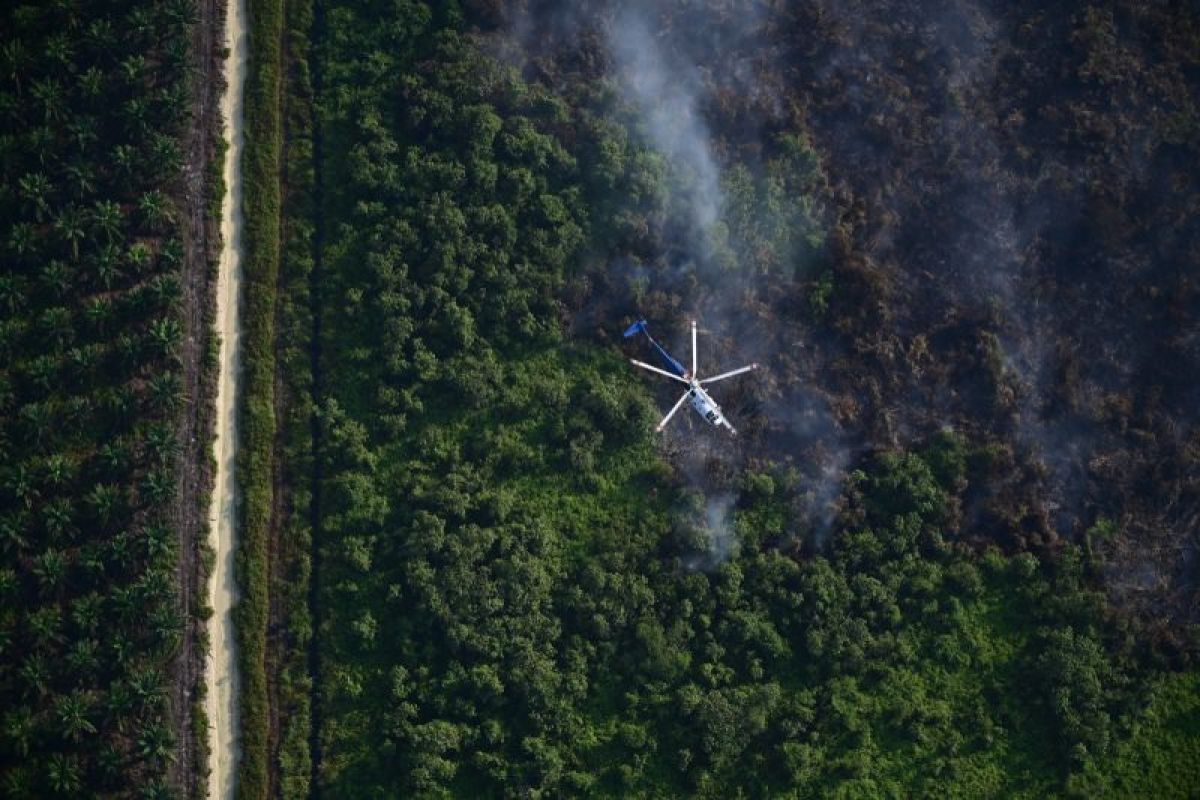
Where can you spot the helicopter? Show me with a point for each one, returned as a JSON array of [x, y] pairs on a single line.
[[701, 401]]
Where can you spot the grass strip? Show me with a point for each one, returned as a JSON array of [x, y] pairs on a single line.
[[262, 208]]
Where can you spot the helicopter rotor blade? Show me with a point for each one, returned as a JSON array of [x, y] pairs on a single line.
[[730, 374], [671, 413], [644, 365], [693, 348]]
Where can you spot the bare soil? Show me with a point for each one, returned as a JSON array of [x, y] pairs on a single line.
[[222, 676]]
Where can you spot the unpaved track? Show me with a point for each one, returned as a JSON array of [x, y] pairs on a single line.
[[222, 667]]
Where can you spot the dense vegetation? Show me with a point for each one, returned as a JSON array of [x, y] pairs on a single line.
[[93, 98], [262, 207], [519, 591]]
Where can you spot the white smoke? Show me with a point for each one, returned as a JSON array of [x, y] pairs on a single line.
[[718, 518], [666, 90]]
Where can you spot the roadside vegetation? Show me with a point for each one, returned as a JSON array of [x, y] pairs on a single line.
[[94, 99], [263, 160], [292, 664]]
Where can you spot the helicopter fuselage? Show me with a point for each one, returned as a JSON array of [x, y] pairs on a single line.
[[705, 406]]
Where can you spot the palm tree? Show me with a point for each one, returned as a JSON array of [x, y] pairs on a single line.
[[121, 402], [159, 539], [164, 155], [114, 456], [173, 104], [83, 360], [72, 712], [50, 568], [15, 60], [63, 774], [181, 14], [99, 313], [147, 685], [50, 94], [108, 264], [57, 518], [70, 226], [161, 442], [158, 789], [35, 188], [83, 131], [171, 253], [12, 294], [105, 500], [128, 349], [91, 83], [45, 625], [18, 782], [158, 487], [155, 584], [106, 216], [139, 255], [58, 49], [83, 658], [125, 159], [120, 554], [22, 239], [165, 334], [110, 760], [12, 331], [12, 532], [178, 56], [19, 481], [157, 743], [165, 288], [77, 410], [36, 418], [167, 626], [86, 612], [18, 729], [101, 36], [165, 391], [124, 603], [35, 674], [140, 22], [122, 650], [80, 177], [66, 13], [43, 372], [56, 324], [9, 583], [132, 67], [155, 210], [91, 559], [136, 114], [56, 277], [119, 704]]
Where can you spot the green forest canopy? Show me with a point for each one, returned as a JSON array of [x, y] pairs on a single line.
[[510, 597]]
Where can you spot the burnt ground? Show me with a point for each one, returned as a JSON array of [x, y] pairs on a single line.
[[1012, 202], [201, 239]]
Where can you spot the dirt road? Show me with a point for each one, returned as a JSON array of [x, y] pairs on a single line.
[[222, 666]]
